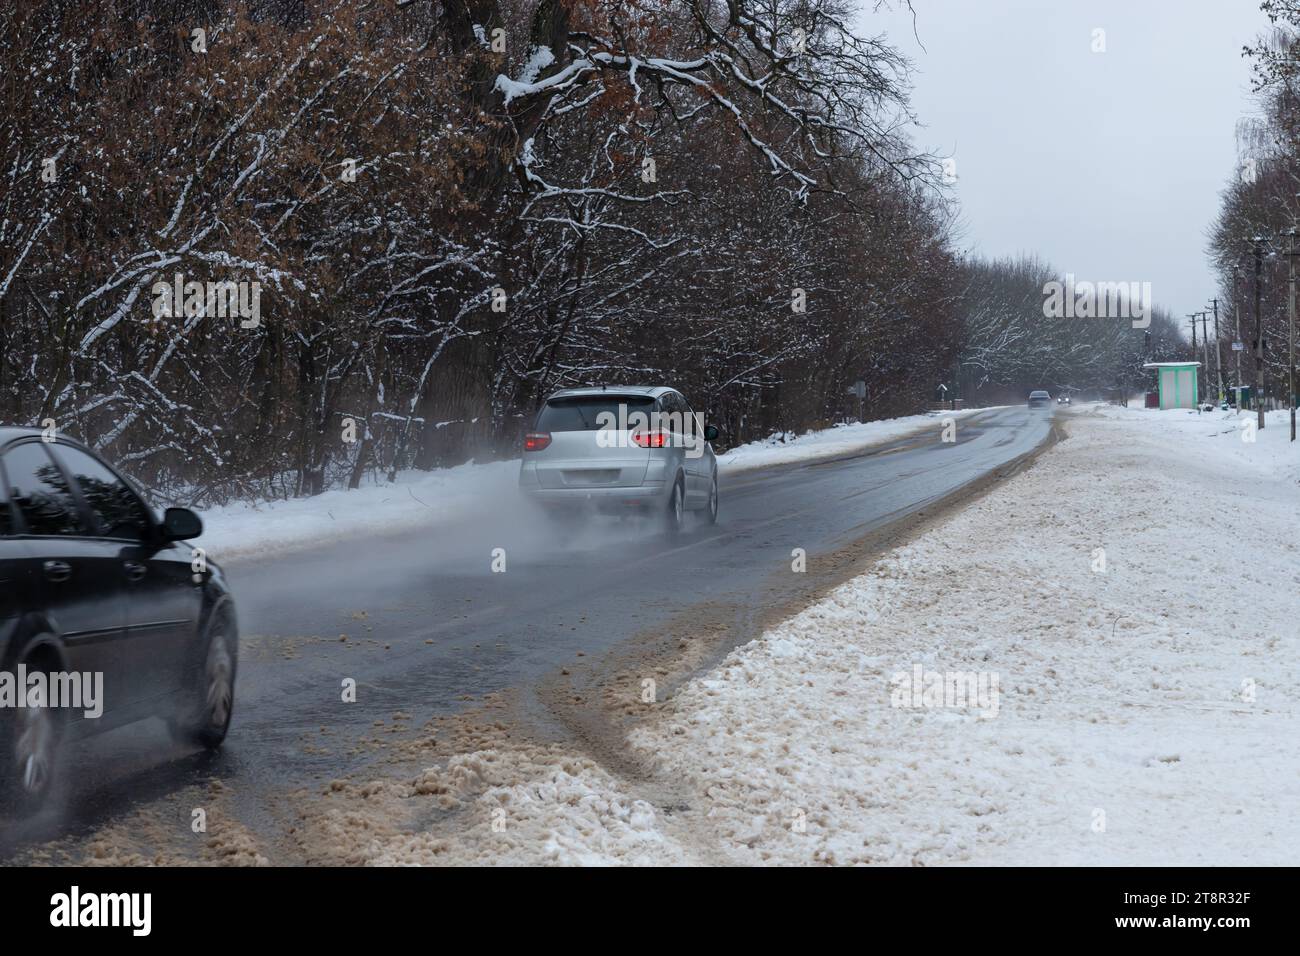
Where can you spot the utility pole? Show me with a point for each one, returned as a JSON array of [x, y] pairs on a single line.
[[1290, 324], [1259, 334], [1236, 313], [1218, 348], [1205, 348], [1193, 316]]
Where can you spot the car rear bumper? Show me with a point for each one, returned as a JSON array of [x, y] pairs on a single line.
[[649, 494]]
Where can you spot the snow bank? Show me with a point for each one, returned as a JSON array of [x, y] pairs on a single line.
[[1232, 436], [503, 804], [535, 806], [1142, 630], [416, 498]]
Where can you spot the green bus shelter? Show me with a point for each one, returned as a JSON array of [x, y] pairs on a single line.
[[1176, 382]]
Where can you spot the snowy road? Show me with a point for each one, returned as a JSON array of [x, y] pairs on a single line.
[[429, 626]]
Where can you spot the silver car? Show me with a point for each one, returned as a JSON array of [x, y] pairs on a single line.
[[621, 449]]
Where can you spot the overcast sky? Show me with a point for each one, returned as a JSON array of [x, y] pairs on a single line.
[[1107, 165]]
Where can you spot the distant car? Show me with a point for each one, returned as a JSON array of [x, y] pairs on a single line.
[[93, 583], [1063, 399], [1039, 399], [621, 449]]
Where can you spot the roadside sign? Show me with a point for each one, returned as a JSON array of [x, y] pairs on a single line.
[[1238, 346]]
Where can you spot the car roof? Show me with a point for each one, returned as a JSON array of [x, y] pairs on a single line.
[[649, 391], [11, 433], [1039, 391]]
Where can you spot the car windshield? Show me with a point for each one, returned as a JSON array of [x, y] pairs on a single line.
[[588, 412]]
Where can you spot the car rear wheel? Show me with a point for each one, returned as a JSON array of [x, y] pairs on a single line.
[[675, 515], [210, 690], [31, 742]]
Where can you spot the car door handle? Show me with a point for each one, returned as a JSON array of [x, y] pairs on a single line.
[[135, 571], [57, 571]]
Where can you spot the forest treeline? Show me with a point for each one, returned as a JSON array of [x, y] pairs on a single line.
[[452, 207]]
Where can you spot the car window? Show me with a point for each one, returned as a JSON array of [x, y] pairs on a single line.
[[118, 511], [6, 516], [671, 410], [675, 405], [41, 493], [583, 414]]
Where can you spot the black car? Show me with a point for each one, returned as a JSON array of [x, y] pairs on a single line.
[[93, 583]]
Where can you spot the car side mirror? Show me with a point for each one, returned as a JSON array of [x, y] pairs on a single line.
[[710, 433], [181, 524]]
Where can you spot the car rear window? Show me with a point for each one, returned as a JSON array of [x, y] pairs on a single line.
[[583, 414]]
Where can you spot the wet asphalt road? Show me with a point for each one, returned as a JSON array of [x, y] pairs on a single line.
[[430, 626]]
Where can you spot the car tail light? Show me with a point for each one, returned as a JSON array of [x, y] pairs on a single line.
[[536, 441], [650, 439]]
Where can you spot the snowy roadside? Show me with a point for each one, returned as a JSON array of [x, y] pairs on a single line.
[[426, 499], [1145, 709]]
